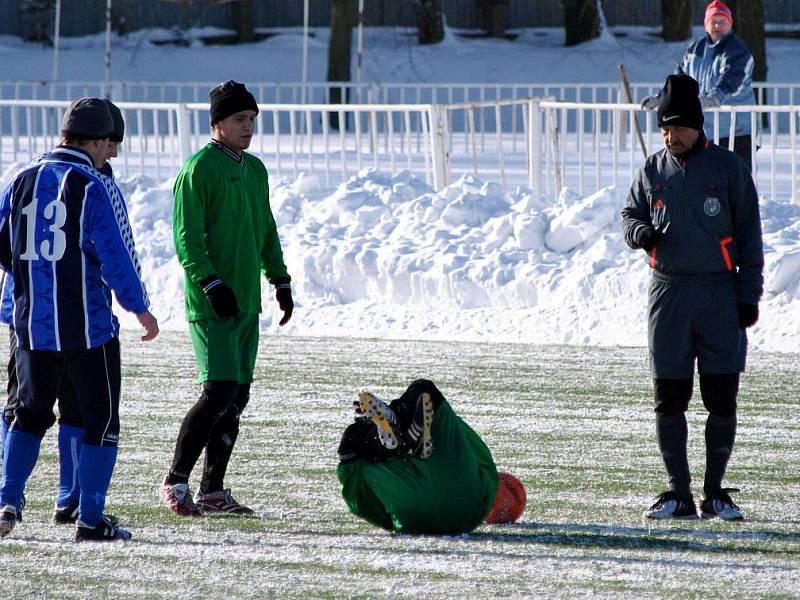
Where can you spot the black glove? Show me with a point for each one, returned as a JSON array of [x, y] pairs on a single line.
[[748, 315], [220, 296], [648, 238], [283, 294]]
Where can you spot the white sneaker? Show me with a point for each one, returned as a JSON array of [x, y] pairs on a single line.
[[719, 504]]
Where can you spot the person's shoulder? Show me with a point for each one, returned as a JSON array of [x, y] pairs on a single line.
[[734, 44], [727, 159], [252, 159]]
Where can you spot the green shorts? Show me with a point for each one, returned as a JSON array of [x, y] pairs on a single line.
[[225, 349]]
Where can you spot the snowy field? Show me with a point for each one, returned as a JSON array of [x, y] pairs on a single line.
[[574, 424]]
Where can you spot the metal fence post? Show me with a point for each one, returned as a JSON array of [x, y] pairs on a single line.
[[534, 148], [184, 131], [439, 144]]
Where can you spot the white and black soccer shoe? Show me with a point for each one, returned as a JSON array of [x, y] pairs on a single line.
[[670, 505]]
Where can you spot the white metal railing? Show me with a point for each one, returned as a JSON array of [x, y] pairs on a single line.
[[587, 147], [543, 144], [290, 138]]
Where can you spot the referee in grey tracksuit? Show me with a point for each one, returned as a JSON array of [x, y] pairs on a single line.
[[693, 208]]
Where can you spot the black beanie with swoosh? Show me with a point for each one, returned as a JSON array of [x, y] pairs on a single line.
[[680, 103]]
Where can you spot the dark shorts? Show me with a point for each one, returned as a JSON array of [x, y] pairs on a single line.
[[225, 349], [95, 379], [694, 318]]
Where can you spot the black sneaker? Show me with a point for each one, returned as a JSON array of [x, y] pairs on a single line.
[[67, 515], [670, 505], [8, 519], [719, 504], [104, 531]]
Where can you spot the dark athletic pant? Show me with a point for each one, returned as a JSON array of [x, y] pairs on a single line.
[[212, 423], [69, 412], [95, 379]]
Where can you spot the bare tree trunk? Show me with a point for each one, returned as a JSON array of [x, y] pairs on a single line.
[[676, 20], [243, 20], [430, 26], [493, 17], [581, 21], [748, 21], [343, 18]]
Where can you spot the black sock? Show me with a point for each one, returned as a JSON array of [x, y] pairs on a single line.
[[671, 434], [720, 435]]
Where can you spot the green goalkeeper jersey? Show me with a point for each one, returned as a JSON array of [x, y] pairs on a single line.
[[222, 223], [449, 493]]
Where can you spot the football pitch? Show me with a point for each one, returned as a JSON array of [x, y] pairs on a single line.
[[574, 424]]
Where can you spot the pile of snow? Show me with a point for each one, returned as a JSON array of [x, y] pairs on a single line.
[[387, 256]]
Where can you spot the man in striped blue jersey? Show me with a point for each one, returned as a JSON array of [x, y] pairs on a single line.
[[70, 422], [65, 237]]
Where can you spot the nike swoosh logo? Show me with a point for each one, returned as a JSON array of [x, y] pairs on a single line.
[[665, 119]]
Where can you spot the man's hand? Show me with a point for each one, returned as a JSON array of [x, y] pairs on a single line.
[[283, 294], [150, 324], [709, 101], [651, 102], [648, 238], [220, 296], [748, 315]]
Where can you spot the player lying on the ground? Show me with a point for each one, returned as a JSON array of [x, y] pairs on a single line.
[[414, 466]]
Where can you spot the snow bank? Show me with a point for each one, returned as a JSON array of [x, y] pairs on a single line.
[[386, 256]]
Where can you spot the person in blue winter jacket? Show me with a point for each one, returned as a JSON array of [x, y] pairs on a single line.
[[722, 65], [66, 240], [70, 424]]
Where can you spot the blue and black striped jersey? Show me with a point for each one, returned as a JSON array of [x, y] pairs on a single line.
[[66, 239]]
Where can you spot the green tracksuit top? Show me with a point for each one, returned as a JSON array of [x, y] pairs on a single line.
[[222, 223], [447, 494]]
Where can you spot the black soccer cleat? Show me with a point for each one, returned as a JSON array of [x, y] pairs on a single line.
[[384, 419], [719, 504], [104, 531], [670, 505], [8, 520], [418, 433], [67, 515]]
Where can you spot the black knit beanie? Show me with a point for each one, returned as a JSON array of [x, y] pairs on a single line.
[[118, 133], [229, 98], [680, 103], [87, 119]]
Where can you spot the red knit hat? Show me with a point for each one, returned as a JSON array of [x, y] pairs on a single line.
[[718, 9]]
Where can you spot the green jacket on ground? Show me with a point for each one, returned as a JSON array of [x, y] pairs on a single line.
[[449, 493], [222, 223]]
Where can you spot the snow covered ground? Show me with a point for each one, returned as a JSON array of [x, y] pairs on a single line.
[[573, 423]]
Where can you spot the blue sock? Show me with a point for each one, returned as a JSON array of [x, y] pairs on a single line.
[[70, 440], [4, 425], [95, 467], [22, 452]]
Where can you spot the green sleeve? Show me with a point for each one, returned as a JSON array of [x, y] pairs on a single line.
[[191, 193], [271, 254]]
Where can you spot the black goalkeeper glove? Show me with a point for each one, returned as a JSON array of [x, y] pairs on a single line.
[[283, 294], [748, 315], [220, 296]]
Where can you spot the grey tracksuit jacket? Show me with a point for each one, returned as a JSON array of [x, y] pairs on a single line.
[[711, 206]]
